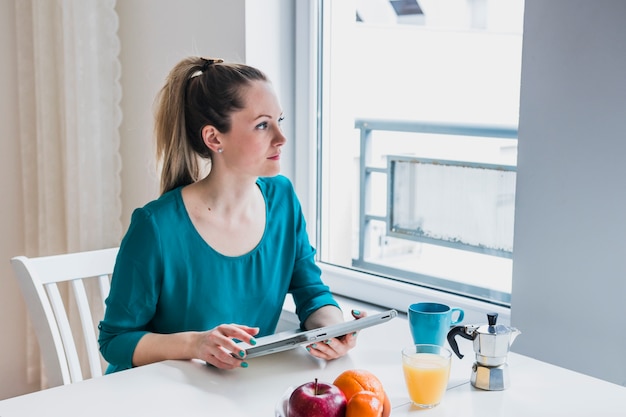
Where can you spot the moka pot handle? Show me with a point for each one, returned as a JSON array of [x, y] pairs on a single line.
[[461, 331]]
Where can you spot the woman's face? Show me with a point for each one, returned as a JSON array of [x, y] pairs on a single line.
[[253, 145]]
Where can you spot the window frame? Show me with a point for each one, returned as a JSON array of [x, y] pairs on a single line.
[[309, 129]]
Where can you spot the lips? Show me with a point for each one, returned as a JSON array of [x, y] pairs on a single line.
[[275, 157]]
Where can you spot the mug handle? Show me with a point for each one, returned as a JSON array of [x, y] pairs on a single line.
[[459, 318]]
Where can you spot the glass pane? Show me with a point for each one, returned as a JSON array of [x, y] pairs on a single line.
[[451, 69], [470, 206]]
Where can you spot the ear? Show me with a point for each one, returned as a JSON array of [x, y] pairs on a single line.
[[210, 137]]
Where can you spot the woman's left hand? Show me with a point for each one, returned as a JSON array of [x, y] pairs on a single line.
[[338, 346]]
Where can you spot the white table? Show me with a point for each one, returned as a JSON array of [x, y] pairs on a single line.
[[186, 388]]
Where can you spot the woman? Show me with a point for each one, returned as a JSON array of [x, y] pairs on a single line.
[[211, 261]]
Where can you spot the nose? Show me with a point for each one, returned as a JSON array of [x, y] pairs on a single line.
[[280, 139]]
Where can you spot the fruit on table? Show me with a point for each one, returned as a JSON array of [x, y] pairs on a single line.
[[386, 407], [354, 381], [317, 399], [364, 404]]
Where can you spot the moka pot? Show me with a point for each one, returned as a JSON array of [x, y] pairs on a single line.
[[491, 343]]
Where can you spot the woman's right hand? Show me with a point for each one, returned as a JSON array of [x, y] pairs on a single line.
[[217, 347]]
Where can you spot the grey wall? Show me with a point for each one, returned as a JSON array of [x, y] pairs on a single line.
[[569, 267]]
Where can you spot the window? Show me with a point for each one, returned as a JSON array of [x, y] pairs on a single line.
[[417, 142]]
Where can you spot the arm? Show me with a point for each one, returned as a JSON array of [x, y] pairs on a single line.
[[324, 316], [335, 347], [215, 346]]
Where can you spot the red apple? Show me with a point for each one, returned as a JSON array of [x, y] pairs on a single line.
[[317, 399]]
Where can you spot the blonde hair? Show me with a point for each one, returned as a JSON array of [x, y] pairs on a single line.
[[197, 92]]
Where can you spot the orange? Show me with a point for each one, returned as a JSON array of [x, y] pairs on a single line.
[[364, 404], [386, 407], [356, 380]]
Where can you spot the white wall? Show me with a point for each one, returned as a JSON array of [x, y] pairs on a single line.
[[273, 51], [569, 269], [155, 35]]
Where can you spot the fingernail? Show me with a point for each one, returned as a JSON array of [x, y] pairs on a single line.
[[242, 353], [327, 341], [314, 345], [308, 348], [244, 364], [253, 341], [356, 312], [354, 334]]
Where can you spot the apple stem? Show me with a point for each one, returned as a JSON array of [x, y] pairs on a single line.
[[315, 386]]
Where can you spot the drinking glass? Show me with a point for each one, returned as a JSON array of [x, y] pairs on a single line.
[[426, 372]]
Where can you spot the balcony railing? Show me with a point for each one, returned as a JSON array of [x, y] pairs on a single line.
[[462, 202]]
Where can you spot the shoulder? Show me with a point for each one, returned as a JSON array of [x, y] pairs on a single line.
[[279, 194], [276, 183], [277, 187], [157, 220], [166, 206], [165, 203]]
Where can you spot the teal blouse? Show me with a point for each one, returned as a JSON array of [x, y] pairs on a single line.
[[167, 279]]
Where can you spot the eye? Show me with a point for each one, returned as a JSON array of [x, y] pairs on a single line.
[[262, 126], [280, 119]]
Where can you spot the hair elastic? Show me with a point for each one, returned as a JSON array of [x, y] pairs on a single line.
[[210, 61], [206, 62]]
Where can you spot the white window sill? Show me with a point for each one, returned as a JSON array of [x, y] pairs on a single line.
[[361, 291], [387, 293]]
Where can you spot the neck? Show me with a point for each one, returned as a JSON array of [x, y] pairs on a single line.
[[224, 195]]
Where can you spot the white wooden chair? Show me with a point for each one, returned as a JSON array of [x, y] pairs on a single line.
[[38, 279]]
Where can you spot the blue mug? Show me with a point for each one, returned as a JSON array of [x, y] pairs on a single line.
[[431, 322]]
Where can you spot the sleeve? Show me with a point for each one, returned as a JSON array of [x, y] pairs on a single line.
[[308, 290], [135, 287]]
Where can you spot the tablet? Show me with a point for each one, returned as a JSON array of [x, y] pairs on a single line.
[[293, 338]]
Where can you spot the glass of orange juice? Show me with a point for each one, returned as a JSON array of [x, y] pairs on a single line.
[[426, 371]]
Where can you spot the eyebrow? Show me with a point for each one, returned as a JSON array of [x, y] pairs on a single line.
[[268, 116]]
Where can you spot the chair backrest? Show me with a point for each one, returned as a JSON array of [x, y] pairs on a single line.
[[38, 279]]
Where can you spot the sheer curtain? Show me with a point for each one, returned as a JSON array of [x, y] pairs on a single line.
[[69, 107]]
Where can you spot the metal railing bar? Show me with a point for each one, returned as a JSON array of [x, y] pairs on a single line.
[[504, 132]]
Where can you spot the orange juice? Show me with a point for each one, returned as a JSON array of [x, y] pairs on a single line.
[[426, 377]]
